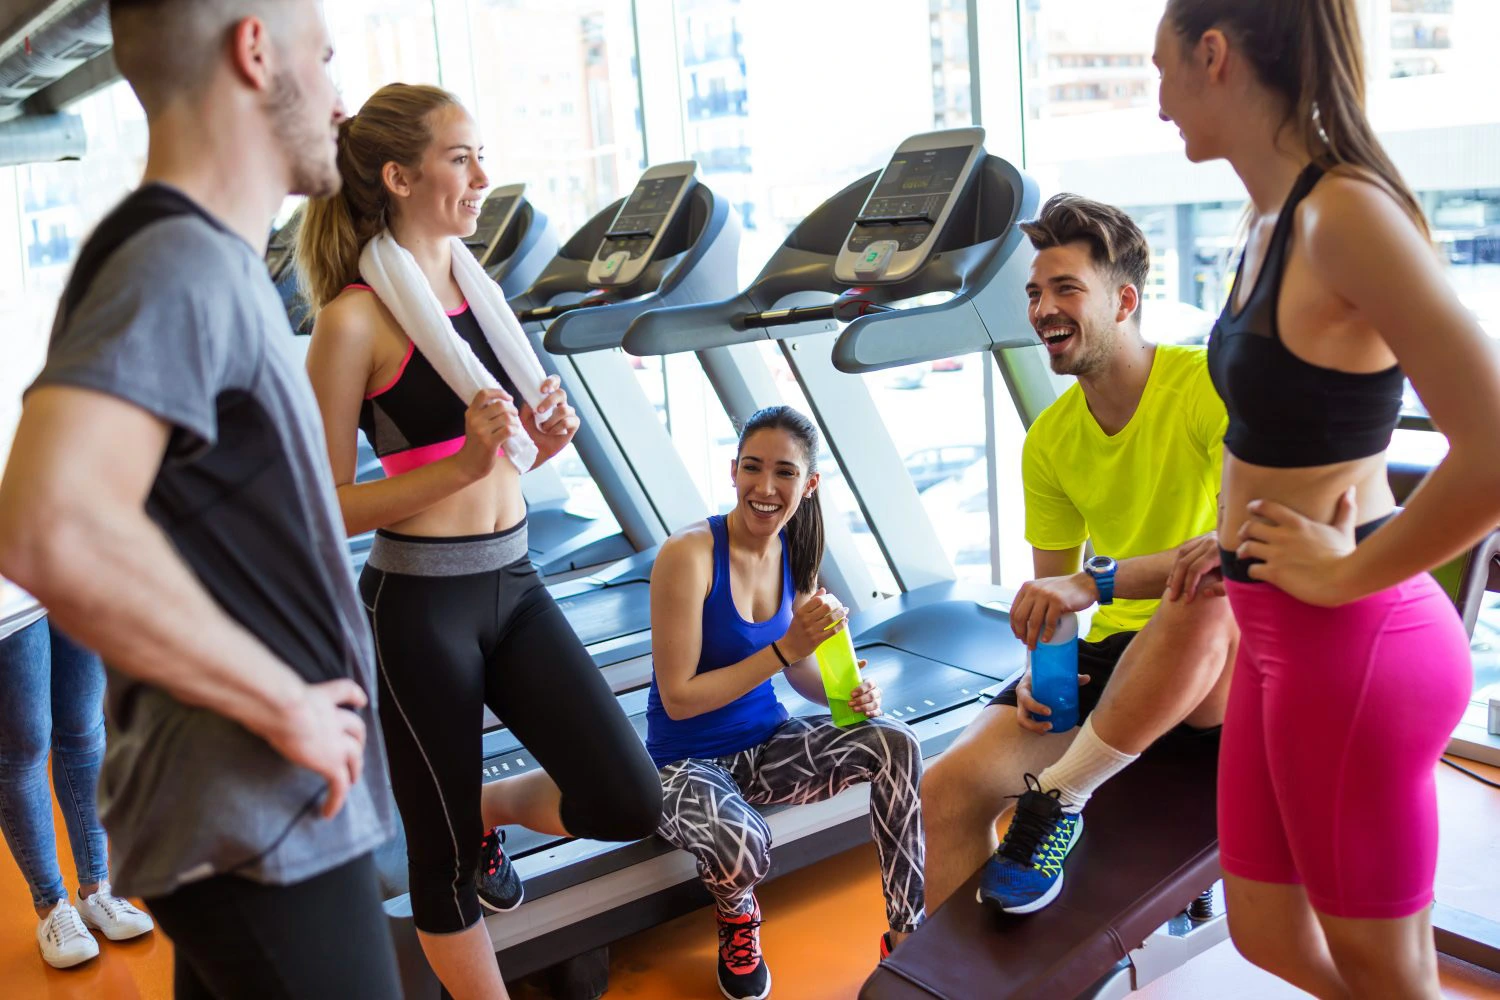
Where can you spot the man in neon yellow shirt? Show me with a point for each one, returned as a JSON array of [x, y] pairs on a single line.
[[1129, 460]]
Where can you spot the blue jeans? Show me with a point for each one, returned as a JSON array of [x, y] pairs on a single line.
[[51, 697]]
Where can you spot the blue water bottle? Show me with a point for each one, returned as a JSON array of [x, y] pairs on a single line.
[[1054, 675]]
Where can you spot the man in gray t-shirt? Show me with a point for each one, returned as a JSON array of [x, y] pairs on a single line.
[[168, 499]]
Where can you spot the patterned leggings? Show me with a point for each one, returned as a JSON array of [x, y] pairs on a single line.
[[707, 805]]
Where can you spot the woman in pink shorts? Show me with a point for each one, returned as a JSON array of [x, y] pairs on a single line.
[[1353, 666]]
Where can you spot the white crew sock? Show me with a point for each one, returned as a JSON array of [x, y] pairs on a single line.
[[1089, 763]]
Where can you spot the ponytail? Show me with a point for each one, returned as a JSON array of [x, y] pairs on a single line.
[[804, 532], [804, 538], [394, 126], [1310, 52]]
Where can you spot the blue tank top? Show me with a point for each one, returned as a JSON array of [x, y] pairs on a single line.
[[727, 639]]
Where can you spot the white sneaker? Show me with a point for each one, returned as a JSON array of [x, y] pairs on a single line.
[[115, 917], [64, 941]]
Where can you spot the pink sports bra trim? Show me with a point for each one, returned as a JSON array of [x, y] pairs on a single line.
[[414, 458], [411, 348]]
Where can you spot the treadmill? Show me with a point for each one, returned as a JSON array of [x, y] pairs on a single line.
[[934, 666], [940, 217], [672, 240]]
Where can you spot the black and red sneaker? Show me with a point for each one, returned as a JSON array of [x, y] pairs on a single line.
[[499, 884], [743, 974]]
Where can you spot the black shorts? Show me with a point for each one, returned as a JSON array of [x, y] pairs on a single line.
[[1098, 660]]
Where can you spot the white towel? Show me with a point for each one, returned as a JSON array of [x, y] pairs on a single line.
[[394, 275]]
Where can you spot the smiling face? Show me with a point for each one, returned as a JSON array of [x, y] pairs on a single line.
[[771, 479], [445, 193], [1185, 97], [1077, 308]]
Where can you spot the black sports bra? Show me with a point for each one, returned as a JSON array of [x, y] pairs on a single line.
[[417, 418], [1285, 412]]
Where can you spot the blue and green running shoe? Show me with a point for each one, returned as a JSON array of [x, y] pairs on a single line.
[[1026, 873]]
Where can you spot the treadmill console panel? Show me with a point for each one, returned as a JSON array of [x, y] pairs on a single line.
[[911, 201], [632, 239], [495, 218]]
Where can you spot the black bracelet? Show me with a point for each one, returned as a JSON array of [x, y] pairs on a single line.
[[777, 650]]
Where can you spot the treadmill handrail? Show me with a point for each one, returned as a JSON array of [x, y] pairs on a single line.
[[543, 313], [844, 309], [975, 272]]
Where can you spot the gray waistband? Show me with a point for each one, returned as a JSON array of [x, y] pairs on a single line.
[[447, 556]]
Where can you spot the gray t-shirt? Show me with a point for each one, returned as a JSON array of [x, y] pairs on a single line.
[[173, 313]]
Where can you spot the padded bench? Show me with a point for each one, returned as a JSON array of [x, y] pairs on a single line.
[[1149, 849]]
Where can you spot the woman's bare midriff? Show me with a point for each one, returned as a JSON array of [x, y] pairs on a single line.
[[1312, 492], [492, 504]]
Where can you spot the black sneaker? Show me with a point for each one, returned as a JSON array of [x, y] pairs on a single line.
[[742, 971], [499, 885]]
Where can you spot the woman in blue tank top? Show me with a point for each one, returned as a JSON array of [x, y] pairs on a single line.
[[734, 602]]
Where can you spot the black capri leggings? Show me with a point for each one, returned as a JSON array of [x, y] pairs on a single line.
[[461, 623]]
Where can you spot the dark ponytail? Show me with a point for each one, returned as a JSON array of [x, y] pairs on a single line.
[[804, 533], [1310, 52]]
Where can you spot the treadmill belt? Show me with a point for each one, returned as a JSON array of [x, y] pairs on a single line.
[[609, 612], [549, 529], [912, 688]]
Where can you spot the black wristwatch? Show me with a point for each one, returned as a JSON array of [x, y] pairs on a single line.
[[1101, 569]]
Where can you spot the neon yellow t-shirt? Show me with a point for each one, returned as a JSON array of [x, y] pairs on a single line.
[[1149, 488]]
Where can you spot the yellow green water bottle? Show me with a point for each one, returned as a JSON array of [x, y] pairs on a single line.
[[840, 670]]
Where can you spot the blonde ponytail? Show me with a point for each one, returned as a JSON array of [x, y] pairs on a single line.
[[394, 126]]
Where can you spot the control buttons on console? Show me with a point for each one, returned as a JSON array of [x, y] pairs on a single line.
[[876, 258], [609, 270]]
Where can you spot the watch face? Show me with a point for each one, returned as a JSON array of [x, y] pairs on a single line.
[[1101, 564]]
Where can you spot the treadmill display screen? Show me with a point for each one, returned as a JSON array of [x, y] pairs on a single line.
[[646, 210], [915, 186], [494, 212]]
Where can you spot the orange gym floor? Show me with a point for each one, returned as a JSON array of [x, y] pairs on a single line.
[[820, 935]]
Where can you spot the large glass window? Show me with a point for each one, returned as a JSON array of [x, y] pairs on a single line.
[[776, 155], [558, 101], [379, 42], [21, 342], [779, 120], [46, 212], [1091, 127], [558, 106]]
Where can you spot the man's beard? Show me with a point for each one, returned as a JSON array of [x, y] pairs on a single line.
[[1091, 360], [315, 172]]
